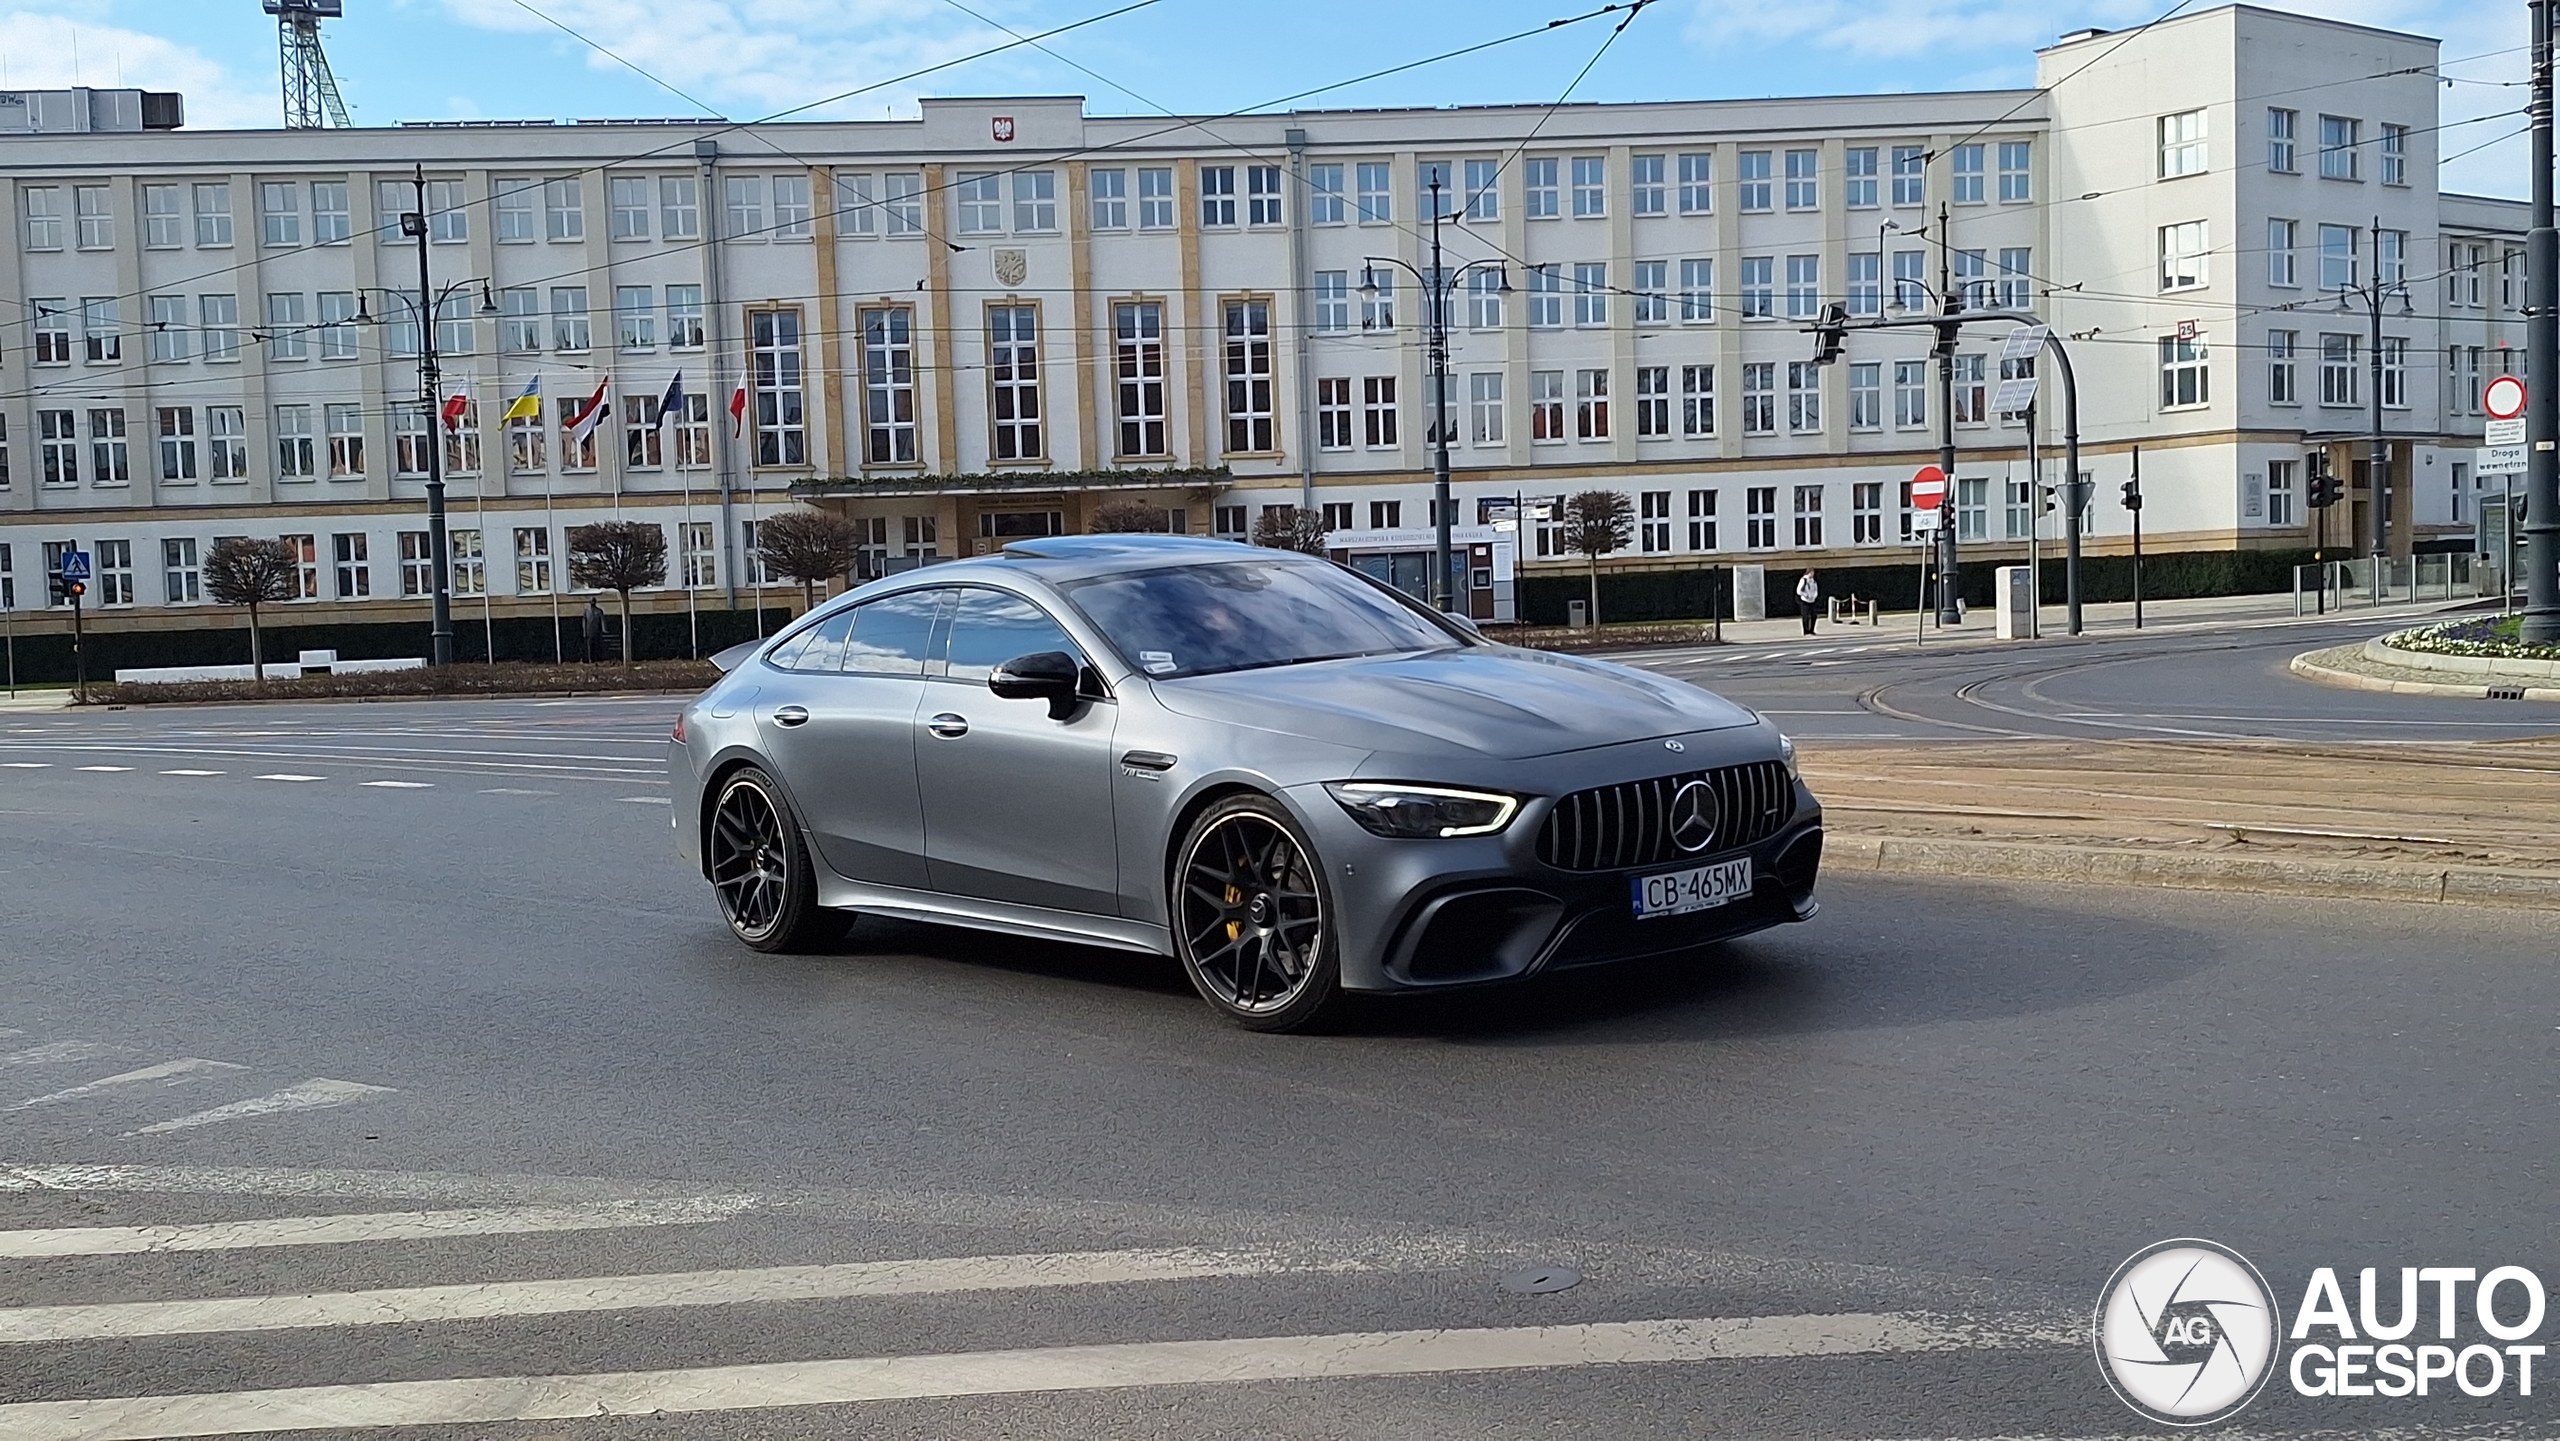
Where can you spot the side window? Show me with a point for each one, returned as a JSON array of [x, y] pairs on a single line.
[[824, 649], [892, 636], [989, 628]]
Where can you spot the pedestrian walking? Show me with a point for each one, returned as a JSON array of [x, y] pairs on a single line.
[[1808, 595], [593, 627]]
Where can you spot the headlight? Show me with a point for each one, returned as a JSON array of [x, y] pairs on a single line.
[[1410, 812], [1787, 753]]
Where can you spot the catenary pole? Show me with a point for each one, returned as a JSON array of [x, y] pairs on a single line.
[[430, 395], [2541, 625]]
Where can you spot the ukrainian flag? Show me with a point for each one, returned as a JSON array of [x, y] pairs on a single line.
[[527, 406]]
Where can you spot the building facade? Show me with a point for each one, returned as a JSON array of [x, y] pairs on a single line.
[[994, 319]]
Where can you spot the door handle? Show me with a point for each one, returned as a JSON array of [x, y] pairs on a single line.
[[948, 726], [791, 715]]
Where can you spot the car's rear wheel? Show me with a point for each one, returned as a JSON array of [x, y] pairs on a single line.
[[1253, 922], [761, 871]]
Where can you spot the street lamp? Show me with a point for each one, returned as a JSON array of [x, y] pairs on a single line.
[[1948, 325], [2373, 294], [1439, 292]]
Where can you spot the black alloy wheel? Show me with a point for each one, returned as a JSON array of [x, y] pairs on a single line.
[[1251, 917], [760, 868]]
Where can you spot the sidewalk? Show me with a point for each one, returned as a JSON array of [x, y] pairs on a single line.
[[2102, 618]]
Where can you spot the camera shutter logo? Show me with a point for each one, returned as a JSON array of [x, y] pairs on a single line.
[[2186, 1332]]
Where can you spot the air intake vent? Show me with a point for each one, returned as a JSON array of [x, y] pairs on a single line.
[[1619, 826]]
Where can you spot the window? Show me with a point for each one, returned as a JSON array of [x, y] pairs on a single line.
[[411, 439], [102, 330], [1324, 194], [1645, 193], [2338, 148], [177, 444], [1653, 528], [1261, 194], [417, 563], [679, 207], [1702, 520], [2281, 493], [1035, 201], [1866, 513], [226, 433], [2013, 289], [295, 448], [1484, 407], [1228, 520], [162, 226], [1972, 390], [1761, 521], [2281, 236], [213, 215], [286, 337], [115, 572], [2390, 256], [2282, 384], [2182, 144], [97, 221], [2182, 255], [577, 452], [693, 430], [346, 442], [775, 382], [338, 326], [564, 215], [1866, 395], [629, 197], [743, 196], [635, 318], [1484, 299], [1110, 192], [1966, 182], [168, 328], [1910, 174], [1804, 396], [2280, 134], [279, 213], [1759, 290], [44, 217], [1217, 195], [2019, 519], [1652, 292], [1546, 297], [1377, 299], [58, 447], [1697, 184], [109, 459], [749, 559], [2395, 373], [1591, 405], [1858, 181], [1653, 402], [902, 200], [527, 445], [684, 317], [1155, 199], [354, 568], [1591, 293], [305, 550], [1910, 290], [569, 317], [1910, 394], [1333, 300], [1804, 286], [2462, 274], [1804, 190], [50, 324], [1383, 515], [181, 580], [2182, 372], [1971, 286], [1540, 196], [2395, 154], [1697, 400], [1755, 180], [1013, 380], [533, 561], [219, 319], [644, 443], [701, 564], [1248, 366], [2017, 184], [1759, 398], [889, 386], [1378, 412], [1697, 291], [1333, 413], [1138, 369], [520, 320], [1337, 516], [1590, 185], [1973, 507], [1546, 406], [1808, 515], [513, 203], [2338, 268], [330, 222]]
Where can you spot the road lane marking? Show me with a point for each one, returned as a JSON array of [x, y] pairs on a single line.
[[318, 1093], [53, 1053], [770, 1385], [578, 1294], [191, 773], [174, 1073], [365, 1226], [512, 791], [399, 785], [26, 765], [110, 770], [288, 776]]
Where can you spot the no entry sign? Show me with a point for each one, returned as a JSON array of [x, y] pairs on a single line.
[[1928, 488]]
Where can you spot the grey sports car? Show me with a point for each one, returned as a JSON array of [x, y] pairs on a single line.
[[1291, 778]]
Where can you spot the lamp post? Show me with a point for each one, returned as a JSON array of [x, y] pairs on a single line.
[[1439, 293], [2378, 468]]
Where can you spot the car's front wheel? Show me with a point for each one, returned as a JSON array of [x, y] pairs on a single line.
[[760, 868], [1253, 922]]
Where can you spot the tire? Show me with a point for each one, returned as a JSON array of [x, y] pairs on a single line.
[[760, 870], [1253, 920]]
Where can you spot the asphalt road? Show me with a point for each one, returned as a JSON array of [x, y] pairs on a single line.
[[432, 970]]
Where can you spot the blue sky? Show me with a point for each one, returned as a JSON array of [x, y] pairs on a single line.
[[453, 59]]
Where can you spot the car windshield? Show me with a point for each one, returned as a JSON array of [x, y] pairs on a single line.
[[1243, 614]]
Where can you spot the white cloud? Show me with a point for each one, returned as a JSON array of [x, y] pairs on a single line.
[[51, 51]]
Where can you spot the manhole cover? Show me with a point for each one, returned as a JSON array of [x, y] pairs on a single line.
[[1539, 1280]]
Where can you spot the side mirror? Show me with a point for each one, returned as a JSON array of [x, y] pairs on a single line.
[[1050, 675]]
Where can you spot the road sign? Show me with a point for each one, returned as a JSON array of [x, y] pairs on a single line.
[[1928, 488], [2498, 460], [2014, 395], [75, 565], [2023, 342], [2504, 432], [2504, 399]]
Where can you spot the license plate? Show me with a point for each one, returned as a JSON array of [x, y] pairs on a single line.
[[1699, 888]]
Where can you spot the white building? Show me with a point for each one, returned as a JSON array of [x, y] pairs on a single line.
[[991, 320]]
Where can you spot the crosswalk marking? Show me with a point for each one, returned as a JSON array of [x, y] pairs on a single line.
[[26, 765], [317, 1093], [171, 1073], [365, 1226], [53, 1053], [988, 1373], [481, 1301]]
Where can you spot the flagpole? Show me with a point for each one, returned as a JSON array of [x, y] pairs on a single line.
[[551, 532], [684, 477]]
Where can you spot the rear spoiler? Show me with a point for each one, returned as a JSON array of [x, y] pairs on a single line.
[[735, 656]]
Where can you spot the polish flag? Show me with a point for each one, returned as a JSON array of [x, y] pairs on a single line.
[[738, 411]]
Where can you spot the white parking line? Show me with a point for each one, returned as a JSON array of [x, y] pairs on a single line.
[[399, 785], [365, 1226], [286, 776]]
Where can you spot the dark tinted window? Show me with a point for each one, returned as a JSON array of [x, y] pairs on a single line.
[[1235, 615], [891, 636], [989, 628]]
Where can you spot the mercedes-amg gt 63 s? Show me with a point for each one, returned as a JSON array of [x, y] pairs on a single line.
[[1292, 779]]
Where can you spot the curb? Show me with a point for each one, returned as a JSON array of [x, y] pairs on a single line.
[[1994, 860], [2304, 666]]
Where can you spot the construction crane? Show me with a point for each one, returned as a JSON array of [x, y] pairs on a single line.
[[311, 100]]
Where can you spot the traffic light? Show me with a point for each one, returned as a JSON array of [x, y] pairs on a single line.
[[1829, 332], [2324, 490], [2047, 491], [2133, 495]]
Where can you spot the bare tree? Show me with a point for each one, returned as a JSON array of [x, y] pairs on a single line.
[[809, 546], [1127, 517], [241, 571], [1290, 528], [1597, 522], [620, 556]]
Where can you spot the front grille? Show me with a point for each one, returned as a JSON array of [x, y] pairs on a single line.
[[1624, 825]]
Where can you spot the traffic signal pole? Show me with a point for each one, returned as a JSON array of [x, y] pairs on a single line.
[[2541, 624]]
